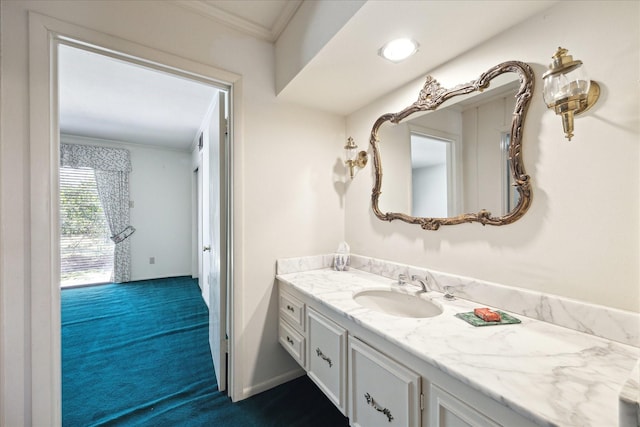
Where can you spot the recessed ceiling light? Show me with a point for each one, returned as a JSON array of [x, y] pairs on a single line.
[[399, 49]]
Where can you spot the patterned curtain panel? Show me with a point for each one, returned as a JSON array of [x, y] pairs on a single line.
[[111, 167], [113, 189]]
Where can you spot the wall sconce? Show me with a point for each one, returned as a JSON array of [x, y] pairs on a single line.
[[567, 89], [353, 157]]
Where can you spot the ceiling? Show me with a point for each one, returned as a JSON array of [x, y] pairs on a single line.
[[102, 97], [347, 73], [105, 98]]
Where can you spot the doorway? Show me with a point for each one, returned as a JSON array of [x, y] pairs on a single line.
[[154, 158], [431, 175], [45, 35]]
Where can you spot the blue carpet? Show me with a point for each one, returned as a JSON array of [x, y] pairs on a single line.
[[138, 354]]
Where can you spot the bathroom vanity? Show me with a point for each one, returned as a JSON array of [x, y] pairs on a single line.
[[385, 370]]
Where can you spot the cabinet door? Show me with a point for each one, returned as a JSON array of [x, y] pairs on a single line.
[[448, 411], [381, 391], [327, 351]]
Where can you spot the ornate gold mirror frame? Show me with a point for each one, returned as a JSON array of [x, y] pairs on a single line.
[[431, 97]]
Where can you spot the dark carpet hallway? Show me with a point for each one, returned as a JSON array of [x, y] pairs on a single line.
[[137, 354]]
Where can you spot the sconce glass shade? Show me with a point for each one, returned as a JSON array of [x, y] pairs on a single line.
[[350, 150], [561, 87], [567, 89]]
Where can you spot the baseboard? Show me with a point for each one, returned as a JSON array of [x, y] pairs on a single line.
[[143, 279], [274, 382]]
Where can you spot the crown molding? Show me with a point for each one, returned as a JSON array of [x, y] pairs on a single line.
[[233, 21], [287, 13]]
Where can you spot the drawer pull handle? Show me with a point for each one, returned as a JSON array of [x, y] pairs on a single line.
[[323, 357], [291, 309], [378, 408], [289, 340]]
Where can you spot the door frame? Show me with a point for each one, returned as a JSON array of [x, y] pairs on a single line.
[[45, 34]]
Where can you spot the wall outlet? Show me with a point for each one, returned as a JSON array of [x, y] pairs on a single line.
[[131, 204], [152, 260]]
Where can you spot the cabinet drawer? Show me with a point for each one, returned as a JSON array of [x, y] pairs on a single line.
[[327, 350], [381, 392], [292, 309], [447, 411], [292, 341]]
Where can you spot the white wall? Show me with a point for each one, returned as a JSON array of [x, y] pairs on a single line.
[[395, 145], [293, 202], [160, 189], [580, 238], [288, 193], [318, 22]]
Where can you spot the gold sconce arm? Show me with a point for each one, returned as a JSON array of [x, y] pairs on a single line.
[[354, 160]]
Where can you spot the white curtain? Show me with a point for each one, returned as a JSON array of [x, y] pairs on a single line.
[[113, 189], [111, 167]]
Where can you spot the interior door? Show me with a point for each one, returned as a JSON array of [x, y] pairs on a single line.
[[198, 249], [204, 225], [217, 254]]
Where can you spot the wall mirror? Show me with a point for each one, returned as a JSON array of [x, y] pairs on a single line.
[[455, 155]]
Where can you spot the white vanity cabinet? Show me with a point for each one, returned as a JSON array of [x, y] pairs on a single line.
[[327, 364], [291, 327], [381, 391], [445, 410], [374, 382]]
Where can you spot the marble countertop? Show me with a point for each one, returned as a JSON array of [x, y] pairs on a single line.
[[549, 374]]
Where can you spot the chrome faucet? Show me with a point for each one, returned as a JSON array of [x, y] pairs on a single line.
[[423, 283]]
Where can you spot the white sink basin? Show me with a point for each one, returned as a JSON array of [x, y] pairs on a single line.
[[397, 304]]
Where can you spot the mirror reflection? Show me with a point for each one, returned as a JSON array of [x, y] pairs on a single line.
[[456, 157], [454, 152]]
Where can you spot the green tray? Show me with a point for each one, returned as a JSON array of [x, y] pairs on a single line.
[[474, 320]]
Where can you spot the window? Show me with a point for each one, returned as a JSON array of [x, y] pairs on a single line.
[[86, 251]]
